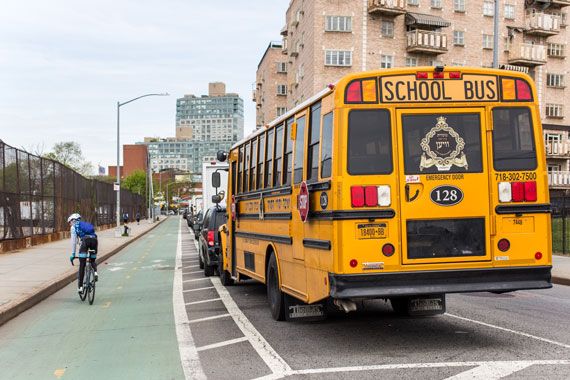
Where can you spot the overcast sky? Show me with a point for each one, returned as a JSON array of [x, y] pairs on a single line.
[[64, 64]]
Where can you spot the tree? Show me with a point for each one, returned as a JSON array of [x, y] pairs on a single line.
[[69, 154], [136, 182]]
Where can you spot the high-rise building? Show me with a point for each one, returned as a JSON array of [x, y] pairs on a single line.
[[270, 90], [204, 125], [324, 40]]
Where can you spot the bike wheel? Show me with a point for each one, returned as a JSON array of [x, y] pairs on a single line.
[[91, 287], [83, 294]]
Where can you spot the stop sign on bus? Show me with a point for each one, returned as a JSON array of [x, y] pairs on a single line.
[[303, 201]]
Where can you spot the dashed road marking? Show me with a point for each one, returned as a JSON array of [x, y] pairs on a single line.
[[195, 272], [222, 344], [203, 301], [59, 373], [509, 330], [209, 318], [196, 279], [197, 289], [106, 305]]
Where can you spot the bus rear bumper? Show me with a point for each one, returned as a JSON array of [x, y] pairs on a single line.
[[379, 285]]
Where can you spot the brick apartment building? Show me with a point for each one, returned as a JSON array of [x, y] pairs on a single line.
[[135, 157], [326, 39]]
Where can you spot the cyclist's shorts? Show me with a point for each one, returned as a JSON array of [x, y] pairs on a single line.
[[88, 247]]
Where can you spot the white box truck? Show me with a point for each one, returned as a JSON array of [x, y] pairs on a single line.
[[207, 189]]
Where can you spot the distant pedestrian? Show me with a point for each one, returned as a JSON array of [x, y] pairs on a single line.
[[138, 217], [125, 217]]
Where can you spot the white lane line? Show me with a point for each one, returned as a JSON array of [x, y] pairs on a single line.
[[509, 330], [209, 318], [188, 353], [222, 344], [196, 279], [191, 266], [195, 290], [491, 371], [204, 301], [275, 362], [520, 364], [195, 272]]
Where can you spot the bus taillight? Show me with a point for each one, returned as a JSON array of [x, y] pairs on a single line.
[[421, 75], [357, 196], [370, 196], [517, 191]]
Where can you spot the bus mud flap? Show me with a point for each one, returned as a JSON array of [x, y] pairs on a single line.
[[298, 311]]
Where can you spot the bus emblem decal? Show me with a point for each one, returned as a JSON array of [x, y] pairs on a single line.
[[443, 148]]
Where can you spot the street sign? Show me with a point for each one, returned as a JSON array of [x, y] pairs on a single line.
[[303, 201], [116, 186]]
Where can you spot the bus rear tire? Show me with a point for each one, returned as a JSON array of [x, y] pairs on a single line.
[[275, 297]]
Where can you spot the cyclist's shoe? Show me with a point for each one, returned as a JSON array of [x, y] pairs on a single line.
[[80, 289], [96, 276]]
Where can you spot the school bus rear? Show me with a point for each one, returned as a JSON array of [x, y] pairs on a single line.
[[439, 176]]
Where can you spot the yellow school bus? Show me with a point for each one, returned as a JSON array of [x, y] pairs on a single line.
[[401, 184]]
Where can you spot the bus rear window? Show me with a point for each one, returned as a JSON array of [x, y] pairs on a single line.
[[369, 142], [513, 142]]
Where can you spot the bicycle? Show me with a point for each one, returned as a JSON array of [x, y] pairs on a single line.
[[88, 280]]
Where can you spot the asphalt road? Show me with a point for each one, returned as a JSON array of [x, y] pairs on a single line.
[[157, 317]]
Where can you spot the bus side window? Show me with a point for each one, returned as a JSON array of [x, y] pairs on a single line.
[[253, 171], [269, 160], [260, 160], [369, 142], [287, 158], [299, 149], [246, 166], [240, 169], [313, 146], [326, 149], [234, 177], [278, 161]]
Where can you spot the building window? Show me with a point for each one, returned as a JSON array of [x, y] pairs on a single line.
[[386, 61], [510, 11], [281, 111], [436, 4], [458, 38], [555, 50], [487, 41], [338, 24], [338, 58], [387, 28], [414, 2], [555, 80], [459, 5], [488, 8], [281, 89], [554, 110], [281, 67], [411, 61], [457, 63]]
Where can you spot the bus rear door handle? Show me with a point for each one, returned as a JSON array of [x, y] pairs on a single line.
[[413, 198]]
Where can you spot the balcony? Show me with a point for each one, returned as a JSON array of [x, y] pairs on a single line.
[[526, 54], [559, 179], [427, 42], [387, 7], [556, 149], [542, 24], [560, 3]]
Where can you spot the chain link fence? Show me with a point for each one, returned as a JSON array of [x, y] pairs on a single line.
[[37, 195]]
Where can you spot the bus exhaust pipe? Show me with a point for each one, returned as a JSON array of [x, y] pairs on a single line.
[[346, 305]]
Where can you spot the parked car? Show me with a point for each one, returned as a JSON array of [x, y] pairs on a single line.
[[210, 243]]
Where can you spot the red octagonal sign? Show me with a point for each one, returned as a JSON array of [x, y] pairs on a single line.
[[303, 201]]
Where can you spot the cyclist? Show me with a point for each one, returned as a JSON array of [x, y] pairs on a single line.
[[84, 233]]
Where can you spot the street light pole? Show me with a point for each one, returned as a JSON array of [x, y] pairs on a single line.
[[119, 105]]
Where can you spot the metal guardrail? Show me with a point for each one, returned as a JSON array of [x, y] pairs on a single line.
[[37, 195]]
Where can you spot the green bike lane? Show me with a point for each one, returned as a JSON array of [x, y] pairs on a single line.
[[129, 332]]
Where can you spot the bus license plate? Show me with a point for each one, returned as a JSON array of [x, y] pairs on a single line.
[[371, 231]]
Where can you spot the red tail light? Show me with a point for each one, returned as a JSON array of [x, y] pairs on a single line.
[[354, 92], [504, 245], [454, 75], [517, 189], [422, 75], [353, 263], [538, 255], [357, 196], [530, 191], [438, 75], [371, 196], [388, 250], [211, 238]]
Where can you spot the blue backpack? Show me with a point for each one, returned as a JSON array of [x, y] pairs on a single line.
[[84, 228]]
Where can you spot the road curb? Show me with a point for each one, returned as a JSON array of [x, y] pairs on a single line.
[[17, 307], [561, 280]]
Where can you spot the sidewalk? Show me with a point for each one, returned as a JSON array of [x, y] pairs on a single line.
[[30, 275], [561, 270]]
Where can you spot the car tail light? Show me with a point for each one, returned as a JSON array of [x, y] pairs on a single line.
[[388, 250], [357, 196], [504, 245], [517, 190], [505, 194], [211, 238], [371, 196], [384, 198], [530, 191]]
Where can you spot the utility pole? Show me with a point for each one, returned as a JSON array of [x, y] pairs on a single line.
[[496, 36]]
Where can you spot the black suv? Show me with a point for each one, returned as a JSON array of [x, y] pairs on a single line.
[[210, 244]]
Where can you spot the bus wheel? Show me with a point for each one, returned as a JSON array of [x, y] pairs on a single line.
[[274, 294]]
